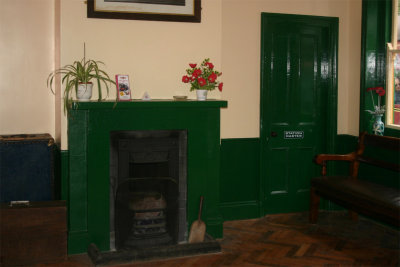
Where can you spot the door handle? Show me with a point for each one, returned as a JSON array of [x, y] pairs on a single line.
[[274, 134]]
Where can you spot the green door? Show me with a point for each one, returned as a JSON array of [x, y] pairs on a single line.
[[298, 89]]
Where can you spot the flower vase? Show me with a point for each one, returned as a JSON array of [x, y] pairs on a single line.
[[201, 94], [378, 126]]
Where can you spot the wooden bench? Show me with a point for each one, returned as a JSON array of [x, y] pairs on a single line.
[[353, 192]]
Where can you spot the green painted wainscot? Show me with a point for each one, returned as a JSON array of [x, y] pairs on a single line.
[[240, 178], [89, 128]]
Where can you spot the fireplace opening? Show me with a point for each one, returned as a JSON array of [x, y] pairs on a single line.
[[148, 188]]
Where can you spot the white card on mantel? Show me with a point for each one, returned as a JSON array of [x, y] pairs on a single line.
[[146, 96]]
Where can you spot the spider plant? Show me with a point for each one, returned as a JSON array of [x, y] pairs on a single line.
[[80, 72]]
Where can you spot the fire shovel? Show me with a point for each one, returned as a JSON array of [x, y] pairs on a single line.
[[198, 228]]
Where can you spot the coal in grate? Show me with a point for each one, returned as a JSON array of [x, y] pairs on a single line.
[[149, 224]]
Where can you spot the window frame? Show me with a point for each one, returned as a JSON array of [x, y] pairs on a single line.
[[392, 50]]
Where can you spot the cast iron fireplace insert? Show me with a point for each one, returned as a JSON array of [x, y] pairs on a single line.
[[148, 188]]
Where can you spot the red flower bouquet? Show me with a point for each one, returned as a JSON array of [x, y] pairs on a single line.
[[378, 109], [203, 77]]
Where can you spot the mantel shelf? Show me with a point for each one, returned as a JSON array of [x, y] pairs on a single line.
[[156, 103]]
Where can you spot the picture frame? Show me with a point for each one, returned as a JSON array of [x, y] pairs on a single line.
[[157, 10], [123, 87]]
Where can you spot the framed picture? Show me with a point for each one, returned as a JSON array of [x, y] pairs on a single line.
[[123, 88], [160, 10]]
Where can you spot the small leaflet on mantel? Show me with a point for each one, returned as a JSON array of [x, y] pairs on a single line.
[[123, 88]]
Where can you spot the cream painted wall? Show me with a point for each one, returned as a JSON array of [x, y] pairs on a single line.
[[26, 56], [156, 54], [241, 28]]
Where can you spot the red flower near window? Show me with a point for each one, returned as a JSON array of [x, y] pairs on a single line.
[[185, 79], [380, 91]]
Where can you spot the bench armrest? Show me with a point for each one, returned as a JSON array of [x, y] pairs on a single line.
[[321, 159]]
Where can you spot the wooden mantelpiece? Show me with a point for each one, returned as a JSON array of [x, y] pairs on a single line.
[[167, 103], [89, 127]]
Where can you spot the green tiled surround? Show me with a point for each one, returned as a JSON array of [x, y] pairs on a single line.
[[89, 127]]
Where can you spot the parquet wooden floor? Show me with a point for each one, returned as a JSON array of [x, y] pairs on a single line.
[[289, 240]]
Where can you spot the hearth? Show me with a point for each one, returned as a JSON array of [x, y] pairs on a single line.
[[148, 188], [124, 256]]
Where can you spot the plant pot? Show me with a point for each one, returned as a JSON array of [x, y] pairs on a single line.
[[84, 92], [201, 94]]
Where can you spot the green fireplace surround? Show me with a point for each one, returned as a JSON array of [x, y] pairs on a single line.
[[89, 127]]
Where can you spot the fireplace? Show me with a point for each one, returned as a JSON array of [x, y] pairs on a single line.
[[148, 188], [97, 129]]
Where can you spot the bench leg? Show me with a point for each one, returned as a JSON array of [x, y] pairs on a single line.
[[314, 206]]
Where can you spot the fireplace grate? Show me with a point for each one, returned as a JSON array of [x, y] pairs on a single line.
[[150, 222], [149, 225]]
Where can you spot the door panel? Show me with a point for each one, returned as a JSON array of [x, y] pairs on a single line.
[[280, 181], [296, 88]]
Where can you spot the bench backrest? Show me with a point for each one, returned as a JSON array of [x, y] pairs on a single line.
[[381, 142]]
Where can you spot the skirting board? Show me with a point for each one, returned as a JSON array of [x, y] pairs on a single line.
[[240, 210]]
